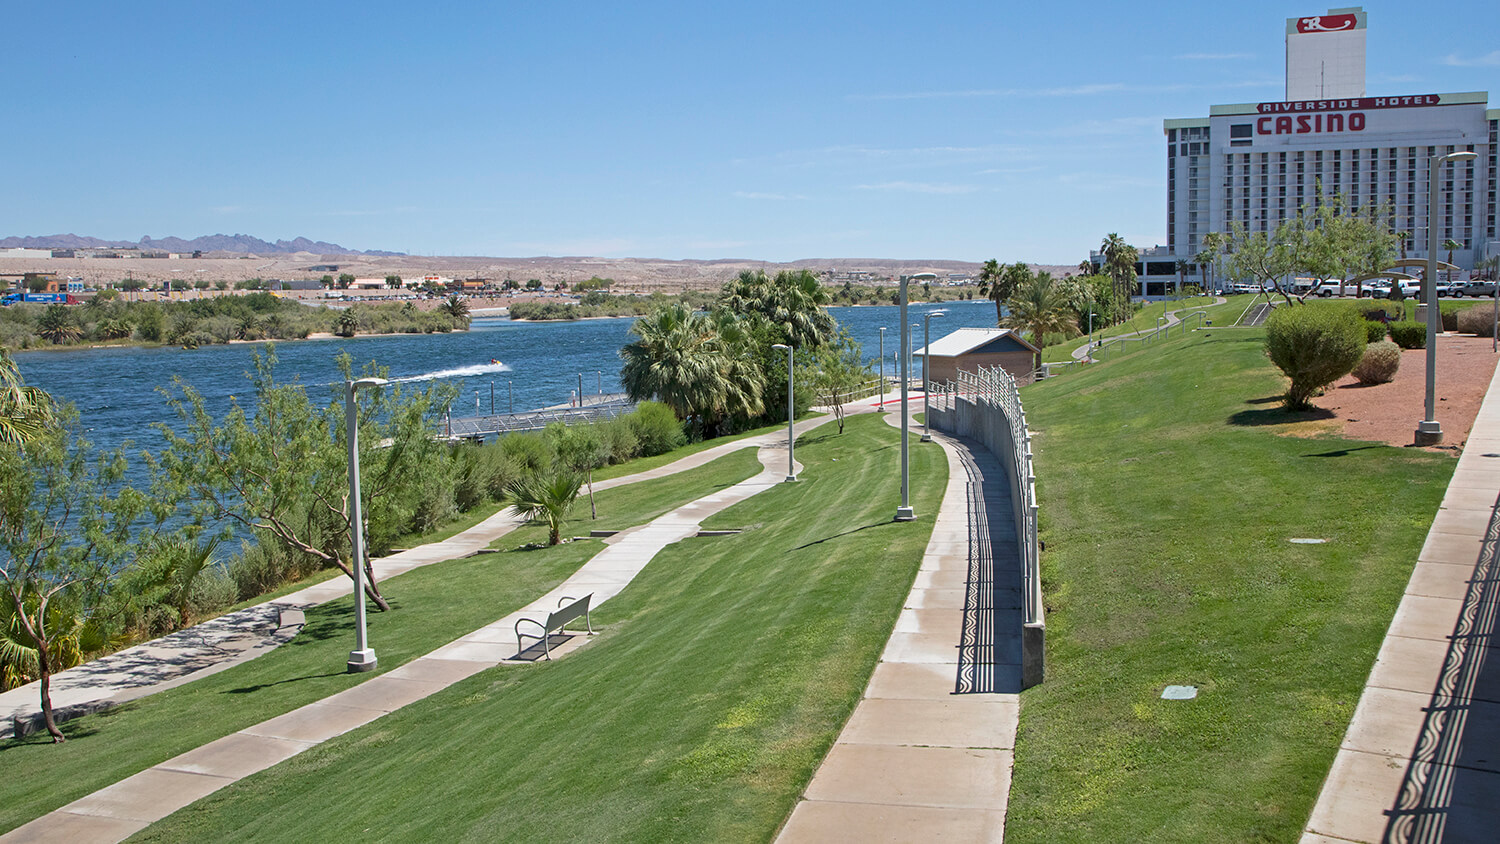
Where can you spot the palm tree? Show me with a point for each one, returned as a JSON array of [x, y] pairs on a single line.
[[57, 325], [989, 285], [25, 412], [700, 366], [347, 324], [545, 498], [1208, 259], [1039, 308], [1401, 239], [112, 328], [456, 308], [793, 301], [1119, 264], [1182, 268], [1450, 244]]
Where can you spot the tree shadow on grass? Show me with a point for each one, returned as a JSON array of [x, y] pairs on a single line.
[[1343, 452], [257, 687], [845, 533], [1277, 415]]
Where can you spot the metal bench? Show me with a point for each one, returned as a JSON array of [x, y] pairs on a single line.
[[557, 622]]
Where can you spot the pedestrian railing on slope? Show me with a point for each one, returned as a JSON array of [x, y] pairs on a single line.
[[474, 427], [1123, 345], [986, 405]]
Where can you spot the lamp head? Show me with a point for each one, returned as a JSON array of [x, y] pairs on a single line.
[[1460, 156], [932, 314], [369, 382], [780, 346]]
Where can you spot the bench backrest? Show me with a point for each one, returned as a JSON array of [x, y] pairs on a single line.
[[562, 615]]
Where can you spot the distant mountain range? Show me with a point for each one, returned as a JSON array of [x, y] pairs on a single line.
[[239, 243]]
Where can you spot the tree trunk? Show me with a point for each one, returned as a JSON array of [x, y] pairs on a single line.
[[593, 510], [372, 590], [46, 686]]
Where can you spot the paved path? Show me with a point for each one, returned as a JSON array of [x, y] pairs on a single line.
[[118, 811], [1420, 761], [242, 635], [1173, 317], [927, 754]]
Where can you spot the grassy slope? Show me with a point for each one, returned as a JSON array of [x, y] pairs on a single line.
[[434, 604], [1168, 495], [723, 674]]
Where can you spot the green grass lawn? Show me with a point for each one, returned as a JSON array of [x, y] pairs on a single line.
[[1170, 481], [722, 676], [433, 605]]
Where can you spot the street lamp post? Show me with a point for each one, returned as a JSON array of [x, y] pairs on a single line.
[[791, 473], [1429, 431], [362, 658], [904, 513], [580, 389], [926, 383], [1091, 334], [882, 369]]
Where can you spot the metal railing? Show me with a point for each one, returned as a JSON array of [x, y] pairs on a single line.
[[994, 393], [533, 420], [1124, 345]]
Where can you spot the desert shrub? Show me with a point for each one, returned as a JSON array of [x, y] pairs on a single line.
[[1374, 331], [479, 475], [529, 452], [1479, 321], [213, 591], [261, 567], [619, 440], [1379, 364], [1449, 319], [656, 428], [1378, 311], [1314, 347], [1409, 334]]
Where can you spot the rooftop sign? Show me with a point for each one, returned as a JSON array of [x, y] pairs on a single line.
[[1327, 23]]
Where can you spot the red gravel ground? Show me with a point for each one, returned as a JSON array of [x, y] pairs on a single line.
[[1389, 413]]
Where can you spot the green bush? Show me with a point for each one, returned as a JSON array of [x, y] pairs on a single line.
[[1374, 331], [528, 452], [1379, 364], [1479, 321], [656, 428], [1314, 347], [619, 440], [1409, 334], [1378, 311], [1449, 319]]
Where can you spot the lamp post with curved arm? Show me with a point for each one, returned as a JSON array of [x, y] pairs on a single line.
[[926, 382], [791, 471], [362, 658], [1429, 431]]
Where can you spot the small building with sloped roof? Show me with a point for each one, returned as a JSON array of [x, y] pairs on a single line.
[[969, 349]]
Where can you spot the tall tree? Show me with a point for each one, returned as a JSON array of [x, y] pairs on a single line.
[[545, 497], [62, 535], [840, 372], [1452, 246], [794, 301], [1041, 307], [989, 285], [699, 365], [1119, 264], [25, 412], [579, 450]]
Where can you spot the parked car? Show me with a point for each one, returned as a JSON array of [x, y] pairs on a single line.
[[1241, 287], [1446, 289], [1375, 290], [1474, 288]]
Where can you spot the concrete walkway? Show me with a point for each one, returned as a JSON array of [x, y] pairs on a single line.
[[927, 754], [233, 638], [1173, 317], [1421, 759], [118, 811]]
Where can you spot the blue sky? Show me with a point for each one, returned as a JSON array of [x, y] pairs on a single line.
[[774, 130]]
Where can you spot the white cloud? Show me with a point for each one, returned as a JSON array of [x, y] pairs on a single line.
[[920, 187], [1491, 59]]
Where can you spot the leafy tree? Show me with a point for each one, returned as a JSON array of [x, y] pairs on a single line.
[[26, 413], [1208, 258], [345, 279], [579, 450], [700, 366], [112, 328], [510, 284], [841, 371], [1314, 347], [1266, 258], [201, 284], [179, 284], [393, 281], [794, 302], [62, 534], [57, 325], [327, 281], [280, 469], [105, 295], [36, 282], [221, 285], [1182, 267], [534, 284], [546, 497], [1119, 265], [132, 285]]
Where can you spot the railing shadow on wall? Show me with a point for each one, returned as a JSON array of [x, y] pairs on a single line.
[[986, 406]]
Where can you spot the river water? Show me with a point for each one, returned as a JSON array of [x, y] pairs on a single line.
[[117, 392]]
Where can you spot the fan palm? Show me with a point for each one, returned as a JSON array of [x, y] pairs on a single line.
[[545, 497], [457, 309], [1451, 245], [1041, 307], [57, 325], [347, 324], [793, 301], [697, 365], [25, 412]]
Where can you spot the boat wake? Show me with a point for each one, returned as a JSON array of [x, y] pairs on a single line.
[[460, 372]]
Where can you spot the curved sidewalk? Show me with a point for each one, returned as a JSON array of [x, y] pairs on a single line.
[[116, 812], [1420, 761], [212, 646], [928, 752]]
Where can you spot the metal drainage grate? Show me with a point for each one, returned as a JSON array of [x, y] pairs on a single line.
[[1179, 693], [1300, 541]]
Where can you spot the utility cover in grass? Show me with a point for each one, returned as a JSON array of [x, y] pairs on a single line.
[[1301, 541], [1179, 693]]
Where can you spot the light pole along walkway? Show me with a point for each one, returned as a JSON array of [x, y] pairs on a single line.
[[928, 752], [116, 812], [233, 638]]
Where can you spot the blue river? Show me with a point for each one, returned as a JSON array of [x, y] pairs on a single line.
[[117, 390]]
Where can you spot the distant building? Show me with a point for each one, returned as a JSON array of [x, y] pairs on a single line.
[[319, 268], [25, 253]]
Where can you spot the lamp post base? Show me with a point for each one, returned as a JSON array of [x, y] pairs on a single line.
[[790, 479], [361, 661], [1428, 433], [926, 438], [905, 514]]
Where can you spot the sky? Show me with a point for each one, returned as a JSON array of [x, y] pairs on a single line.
[[773, 130]]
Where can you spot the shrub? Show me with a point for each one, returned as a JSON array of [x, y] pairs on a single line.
[[656, 428], [528, 452], [1479, 321], [619, 440], [1409, 334], [1374, 310], [1379, 364], [1314, 347], [1449, 320], [1374, 331]]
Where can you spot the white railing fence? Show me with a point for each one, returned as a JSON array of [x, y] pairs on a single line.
[[987, 407]]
